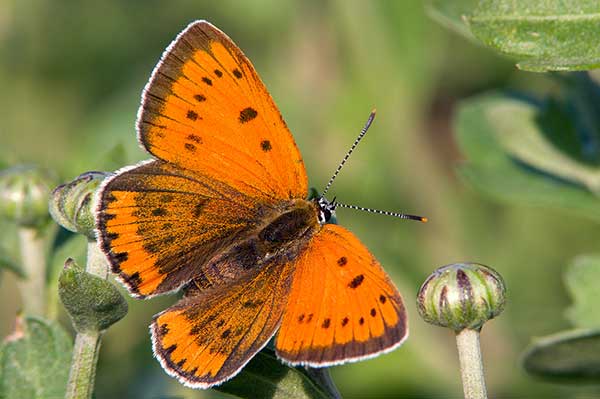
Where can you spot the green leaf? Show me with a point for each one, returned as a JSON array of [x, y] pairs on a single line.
[[544, 35], [452, 13], [570, 355], [266, 377], [93, 303], [34, 360], [583, 283], [508, 142]]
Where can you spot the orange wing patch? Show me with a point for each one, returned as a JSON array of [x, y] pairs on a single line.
[[342, 305], [205, 109], [159, 225], [206, 339]]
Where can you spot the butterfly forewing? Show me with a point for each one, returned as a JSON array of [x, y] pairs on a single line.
[[205, 109], [342, 305], [159, 224]]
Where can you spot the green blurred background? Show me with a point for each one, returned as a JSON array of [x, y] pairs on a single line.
[[71, 74]]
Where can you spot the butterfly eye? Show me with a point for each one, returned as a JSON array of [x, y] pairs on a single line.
[[324, 215], [326, 210]]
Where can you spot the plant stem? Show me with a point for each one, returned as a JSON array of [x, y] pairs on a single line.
[[33, 286], [471, 364], [96, 261], [87, 343], [83, 366]]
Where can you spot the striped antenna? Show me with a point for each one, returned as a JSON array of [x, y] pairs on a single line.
[[358, 139], [395, 214]]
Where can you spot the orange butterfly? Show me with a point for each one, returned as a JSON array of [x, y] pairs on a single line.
[[222, 213]]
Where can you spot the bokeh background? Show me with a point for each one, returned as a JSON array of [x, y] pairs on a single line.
[[71, 74]]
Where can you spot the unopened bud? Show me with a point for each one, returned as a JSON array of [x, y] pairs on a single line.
[[72, 204], [24, 192], [462, 295]]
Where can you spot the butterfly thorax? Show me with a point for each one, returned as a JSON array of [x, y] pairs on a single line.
[[281, 237]]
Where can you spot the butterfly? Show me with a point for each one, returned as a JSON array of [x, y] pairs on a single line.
[[221, 213]]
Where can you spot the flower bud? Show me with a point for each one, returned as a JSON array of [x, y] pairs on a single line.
[[24, 192], [461, 295], [72, 204], [93, 303]]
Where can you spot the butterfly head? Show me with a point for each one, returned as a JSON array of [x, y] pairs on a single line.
[[326, 209]]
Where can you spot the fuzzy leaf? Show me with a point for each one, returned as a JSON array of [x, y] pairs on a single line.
[[583, 282], [511, 155], [543, 34], [266, 377], [94, 304], [34, 360], [569, 355]]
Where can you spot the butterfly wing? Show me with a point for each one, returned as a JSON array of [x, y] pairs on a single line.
[[224, 154], [207, 338], [205, 109], [342, 305], [159, 225]]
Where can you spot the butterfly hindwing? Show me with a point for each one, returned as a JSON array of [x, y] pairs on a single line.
[[205, 109], [159, 225], [206, 339], [342, 305]]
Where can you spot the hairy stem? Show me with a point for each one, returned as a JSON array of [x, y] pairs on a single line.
[[33, 286], [83, 366], [96, 261], [87, 343], [471, 364]]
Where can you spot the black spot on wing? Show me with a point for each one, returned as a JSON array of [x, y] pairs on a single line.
[[120, 257], [218, 73], [342, 261], [265, 145], [163, 330], [247, 114], [237, 73], [199, 207], [207, 81], [199, 97], [159, 212], [190, 147], [191, 115], [356, 281], [196, 139]]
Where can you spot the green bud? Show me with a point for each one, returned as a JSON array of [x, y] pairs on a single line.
[[93, 303], [24, 192], [461, 295], [72, 204]]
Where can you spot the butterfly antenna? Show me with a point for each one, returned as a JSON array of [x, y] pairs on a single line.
[[395, 214], [358, 139]]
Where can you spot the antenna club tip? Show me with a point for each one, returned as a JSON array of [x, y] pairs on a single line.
[[424, 219], [374, 111]]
